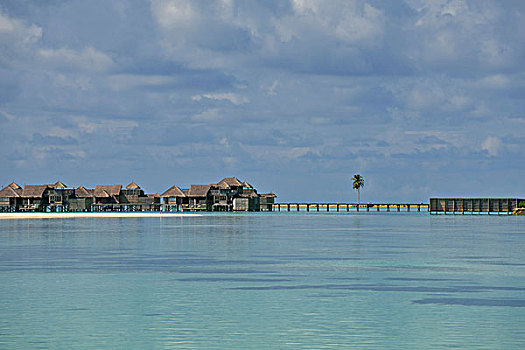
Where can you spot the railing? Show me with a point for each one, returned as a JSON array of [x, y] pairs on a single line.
[[378, 207]]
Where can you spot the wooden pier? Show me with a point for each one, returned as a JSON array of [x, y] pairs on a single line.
[[337, 207], [474, 205]]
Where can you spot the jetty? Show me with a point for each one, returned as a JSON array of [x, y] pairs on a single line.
[[474, 205], [377, 207]]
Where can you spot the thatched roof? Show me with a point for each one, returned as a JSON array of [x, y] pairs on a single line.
[[223, 185], [9, 192], [14, 186], [247, 185], [229, 181], [102, 191], [82, 192], [174, 191], [271, 194], [132, 186], [186, 191], [58, 184], [34, 191], [199, 190]]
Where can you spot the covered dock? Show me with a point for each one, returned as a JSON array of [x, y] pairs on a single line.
[[474, 205]]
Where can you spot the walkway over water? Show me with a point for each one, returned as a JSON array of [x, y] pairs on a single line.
[[350, 207]]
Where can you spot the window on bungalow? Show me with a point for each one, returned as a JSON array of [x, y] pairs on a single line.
[[4, 199]]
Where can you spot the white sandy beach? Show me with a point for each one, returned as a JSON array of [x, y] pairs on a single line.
[[20, 216]]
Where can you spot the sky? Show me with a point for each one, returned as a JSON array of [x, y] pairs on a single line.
[[423, 98]]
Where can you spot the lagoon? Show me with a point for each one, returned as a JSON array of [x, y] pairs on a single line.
[[264, 281]]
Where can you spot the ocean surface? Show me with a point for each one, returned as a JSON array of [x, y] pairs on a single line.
[[264, 281]]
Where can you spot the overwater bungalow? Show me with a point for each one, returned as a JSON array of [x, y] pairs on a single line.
[[173, 198], [34, 198], [228, 194], [266, 201], [83, 199], [10, 197], [58, 197], [131, 198], [200, 197]]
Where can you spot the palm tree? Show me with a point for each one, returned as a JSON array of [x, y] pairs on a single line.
[[358, 182]]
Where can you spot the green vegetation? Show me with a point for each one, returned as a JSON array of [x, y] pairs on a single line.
[[358, 182], [522, 204]]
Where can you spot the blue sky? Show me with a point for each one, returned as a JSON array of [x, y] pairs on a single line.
[[422, 97]]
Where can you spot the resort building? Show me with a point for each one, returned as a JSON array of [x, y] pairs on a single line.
[[174, 198], [229, 194], [58, 198], [10, 197]]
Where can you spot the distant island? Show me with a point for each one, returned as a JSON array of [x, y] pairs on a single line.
[[229, 194]]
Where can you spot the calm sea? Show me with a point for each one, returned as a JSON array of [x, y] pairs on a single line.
[[264, 281]]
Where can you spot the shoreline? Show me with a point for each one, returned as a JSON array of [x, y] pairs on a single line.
[[22, 216]]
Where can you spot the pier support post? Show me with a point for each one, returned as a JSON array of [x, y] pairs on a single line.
[[357, 207], [288, 206], [378, 206], [327, 206], [307, 207], [388, 207], [367, 207], [408, 207], [337, 206], [317, 206], [398, 207], [298, 206], [347, 207]]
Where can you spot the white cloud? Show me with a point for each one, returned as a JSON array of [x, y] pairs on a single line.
[[120, 82], [273, 88], [114, 127], [492, 145], [6, 24], [16, 29], [87, 59], [7, 116], [210, 115], [229, 96], [349, 21], [174, 13], [17, 40], [496, 81]]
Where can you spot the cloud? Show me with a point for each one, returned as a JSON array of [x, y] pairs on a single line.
[[16, 40], [349, 21], [87, 59], [492, 145], [4, 116], [132, 81], [38, 139], [231, 97], [271, 89], [208, 116]]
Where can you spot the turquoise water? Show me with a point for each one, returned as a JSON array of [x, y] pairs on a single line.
[[264, 281]]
